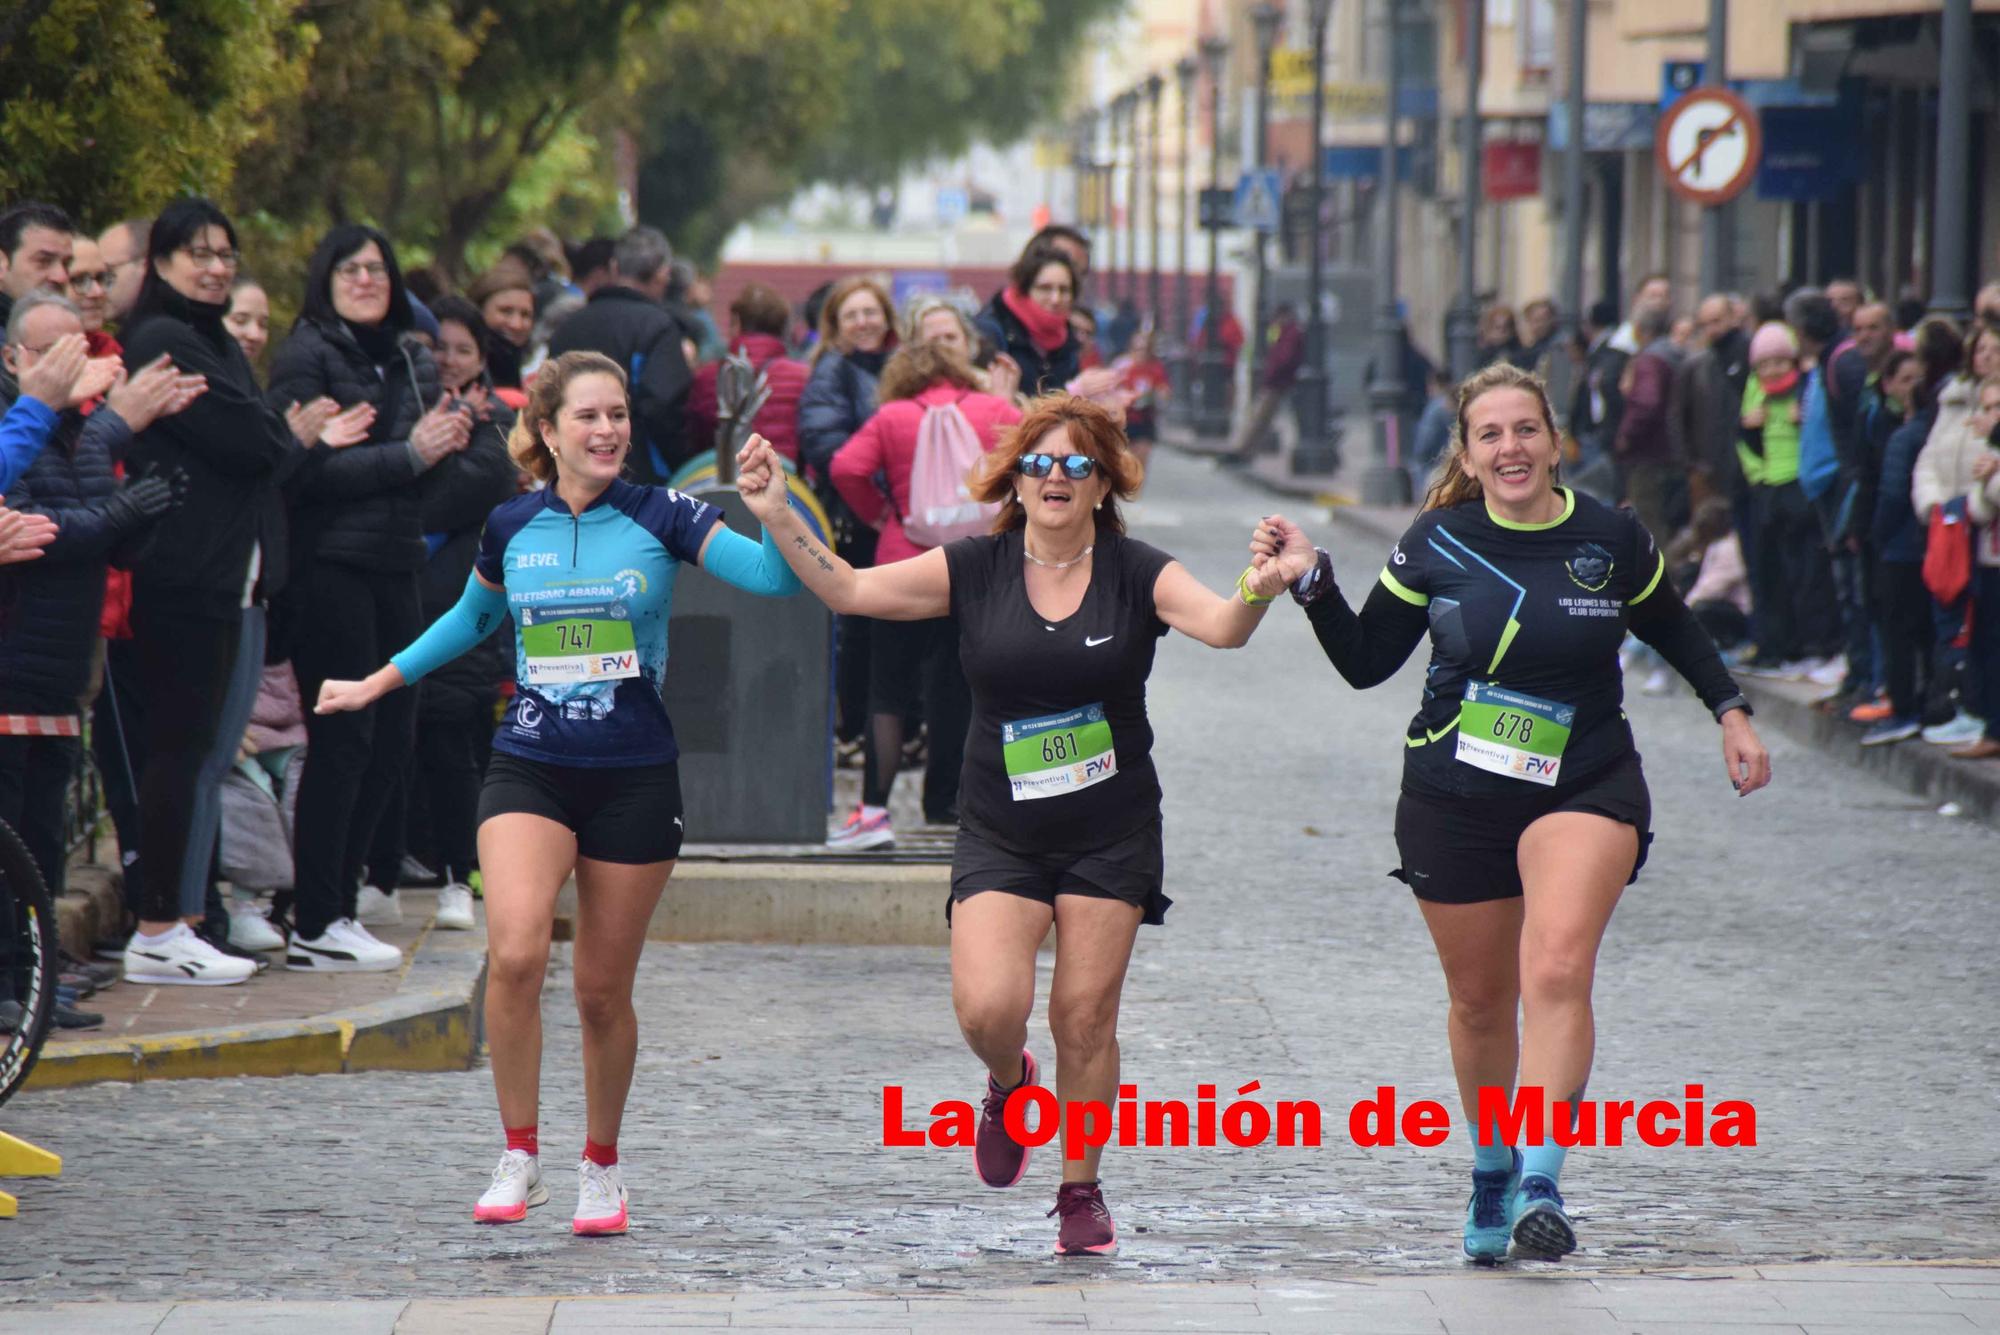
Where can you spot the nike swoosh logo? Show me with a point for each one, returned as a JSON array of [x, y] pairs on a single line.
[[1089, 643]]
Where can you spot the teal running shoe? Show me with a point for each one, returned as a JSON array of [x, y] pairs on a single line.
[[1542, 1230], [1487, 1226]]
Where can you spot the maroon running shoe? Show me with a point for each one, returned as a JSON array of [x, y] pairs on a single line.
[[999, 1158], [1086, 1223]]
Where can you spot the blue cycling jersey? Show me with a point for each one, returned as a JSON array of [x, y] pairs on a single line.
[[590, 596]]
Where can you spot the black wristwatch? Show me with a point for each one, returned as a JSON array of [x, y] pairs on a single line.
[[1316, 583]]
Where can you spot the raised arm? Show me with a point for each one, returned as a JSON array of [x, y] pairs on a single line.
[[1184, 603], [913, 590]]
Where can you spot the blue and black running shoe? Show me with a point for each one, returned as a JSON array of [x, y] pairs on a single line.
[[1487, 1227], [1541, 1227]]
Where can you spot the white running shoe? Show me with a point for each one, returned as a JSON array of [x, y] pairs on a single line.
[[517, 1184], [342, 948], [379, 909], [864, 830], [454, 910], [250, 928], [1961, 730], [1828, 671], [600, 1200], [182, 958]]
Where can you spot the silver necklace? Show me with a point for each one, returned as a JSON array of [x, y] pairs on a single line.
[[1078, 559]]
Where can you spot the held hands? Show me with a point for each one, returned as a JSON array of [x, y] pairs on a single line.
[[1280, 554], [1748, 763], [760, 479]]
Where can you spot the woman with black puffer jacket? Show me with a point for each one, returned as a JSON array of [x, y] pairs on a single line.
[[357, 545]]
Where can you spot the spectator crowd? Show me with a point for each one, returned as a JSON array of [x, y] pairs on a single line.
[[203, 519]]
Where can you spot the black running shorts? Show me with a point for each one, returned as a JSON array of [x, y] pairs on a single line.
[[628, 814], [1467, 850], [1131, 869]]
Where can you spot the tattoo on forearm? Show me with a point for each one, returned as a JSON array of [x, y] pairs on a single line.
[[805, 545]]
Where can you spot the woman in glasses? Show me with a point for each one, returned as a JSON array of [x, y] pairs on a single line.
[[1058, 613]]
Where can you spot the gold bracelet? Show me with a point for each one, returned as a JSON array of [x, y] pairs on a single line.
[[1243, 589]]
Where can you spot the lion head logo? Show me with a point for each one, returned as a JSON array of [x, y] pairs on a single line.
[[1590, 567]]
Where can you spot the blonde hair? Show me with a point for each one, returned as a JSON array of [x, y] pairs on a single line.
[[915, 367], [545, 401], [1454, 483], [829, 311]]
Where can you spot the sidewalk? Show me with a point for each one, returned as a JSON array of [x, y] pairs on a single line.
[[422, 1017], [1801, 1300]]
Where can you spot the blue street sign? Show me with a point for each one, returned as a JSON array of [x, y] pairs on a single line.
[[1259, 195]]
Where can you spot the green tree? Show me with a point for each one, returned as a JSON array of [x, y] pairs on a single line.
[[113, 106]]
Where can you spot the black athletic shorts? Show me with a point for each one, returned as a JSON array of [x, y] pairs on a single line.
[[1131, 869], [1467, 850], [629, 814]]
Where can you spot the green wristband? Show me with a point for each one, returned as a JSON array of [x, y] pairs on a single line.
[[1243, 590]]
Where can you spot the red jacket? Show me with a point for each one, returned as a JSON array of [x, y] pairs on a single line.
[[115, 621], [778, 420], [884, 449]]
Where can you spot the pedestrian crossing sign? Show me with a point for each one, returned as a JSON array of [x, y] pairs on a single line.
[[1257, 200]]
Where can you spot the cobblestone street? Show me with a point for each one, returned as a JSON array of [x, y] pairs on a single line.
[[1828, 949]]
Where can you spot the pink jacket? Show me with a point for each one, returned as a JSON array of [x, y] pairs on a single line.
[[278, 718], [883, 450]]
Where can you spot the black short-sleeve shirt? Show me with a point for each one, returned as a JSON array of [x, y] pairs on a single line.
[[1539, 609], [1051, 687]]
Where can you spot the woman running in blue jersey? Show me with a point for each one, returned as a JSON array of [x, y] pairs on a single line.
[[1524, 812], [584, 775]]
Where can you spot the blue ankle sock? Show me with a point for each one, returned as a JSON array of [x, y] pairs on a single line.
[[1496, 1156], [1545, 1159]]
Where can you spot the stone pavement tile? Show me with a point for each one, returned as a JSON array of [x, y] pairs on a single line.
[[574, 1316], [1642, 1300], [84, 1319], [495, 1316], [1502, 1319], [1983, 1315], [1141, 1314], [827, 1309], [1987, 1290], [1861, 1296], [1901, 1323], [328, 1318], [1708, 1326], [1836, 1273]]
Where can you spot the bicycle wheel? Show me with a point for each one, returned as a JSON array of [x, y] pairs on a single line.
[[28, 969]]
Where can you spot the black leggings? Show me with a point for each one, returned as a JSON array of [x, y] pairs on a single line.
[[185, 661], [453, 727], [349, 622]]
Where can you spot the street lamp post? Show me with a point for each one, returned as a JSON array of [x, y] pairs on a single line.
[[1264, 18], [1717, 230], [1182, 402], [1154, 83], [1572, 177], [1464, 319], [1113, 112], [1131, 100], [1315, 452], [1386, 482], [1212, 412], [1950, 290]]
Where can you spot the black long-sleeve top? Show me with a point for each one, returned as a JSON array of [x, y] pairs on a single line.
[[1537, 611]]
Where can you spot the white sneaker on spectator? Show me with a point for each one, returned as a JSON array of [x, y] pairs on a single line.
[[182, 958], [1961, 730], [382, 910], [517, 1184], [342, 948], [1658, 682], [1798, 669], [1828, 671], [454, 910], [250, 928]]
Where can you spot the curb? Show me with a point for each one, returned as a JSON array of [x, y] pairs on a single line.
[[1914, 766], [436, 1027]]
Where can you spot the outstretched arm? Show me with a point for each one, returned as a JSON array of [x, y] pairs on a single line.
[[913, 590], [757, 568], [468, 623], [1184, 603]]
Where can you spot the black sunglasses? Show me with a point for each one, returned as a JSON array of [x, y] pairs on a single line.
[[1076, 467]]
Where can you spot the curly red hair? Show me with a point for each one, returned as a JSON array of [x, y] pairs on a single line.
[[1093, 430]]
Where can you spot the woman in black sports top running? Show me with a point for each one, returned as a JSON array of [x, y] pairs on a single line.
[[1524, 811]]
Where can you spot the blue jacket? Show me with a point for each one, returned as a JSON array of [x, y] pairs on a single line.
[[1899, 535], [1819, 456], [23, 432], [49, 607], [839, 396]]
